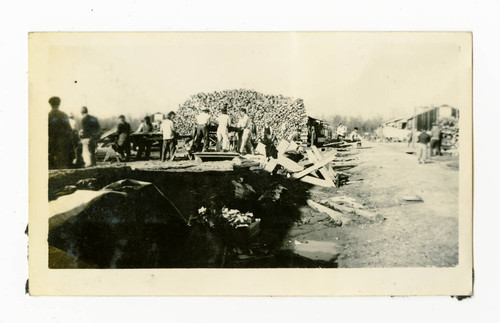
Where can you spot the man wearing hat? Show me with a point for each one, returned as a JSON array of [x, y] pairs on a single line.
[[89, 132], [202, 122], [60, 136], [168, 131], [224, 122]]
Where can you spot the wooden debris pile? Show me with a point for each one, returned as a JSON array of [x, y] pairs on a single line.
[[318, 171]]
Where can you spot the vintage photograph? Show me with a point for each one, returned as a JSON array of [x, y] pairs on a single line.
[[240, 150]]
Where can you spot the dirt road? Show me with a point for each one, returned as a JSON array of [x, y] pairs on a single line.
[[414, 234]]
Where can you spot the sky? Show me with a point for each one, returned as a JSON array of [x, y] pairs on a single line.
[[350, 74]]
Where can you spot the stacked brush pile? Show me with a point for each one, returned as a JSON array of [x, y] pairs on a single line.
[[282, 113]]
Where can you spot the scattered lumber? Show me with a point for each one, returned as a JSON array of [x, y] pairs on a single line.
[[334, 215], [328, 158], [350, 210], [289, 164], [326, 172]]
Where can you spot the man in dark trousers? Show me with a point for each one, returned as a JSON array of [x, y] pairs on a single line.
[[202, 122], [89, 134], [268, 138], [123, 141], [144, 144], [169, 134], [423, 140], [436, 140], [60, 136]]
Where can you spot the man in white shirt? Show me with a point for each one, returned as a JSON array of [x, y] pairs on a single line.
[[224, 122], [246, 125], [168, 131], [354, 136], [341, 131], [202, 121]]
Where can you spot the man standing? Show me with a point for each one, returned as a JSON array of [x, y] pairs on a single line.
[[423, 140], [436, 140], [268, 138], [168, 130], [341, 131], [60, 136], [144, 143], [123, 142], [246, 126], [223, 129], [89, 132], [202, 122]]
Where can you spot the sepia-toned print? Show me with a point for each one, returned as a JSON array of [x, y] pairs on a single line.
[[229, 152]]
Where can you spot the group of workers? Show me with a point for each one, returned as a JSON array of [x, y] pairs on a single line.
[[74, 145], [71, 144], [342, 133], [429, 142], [245, 128]]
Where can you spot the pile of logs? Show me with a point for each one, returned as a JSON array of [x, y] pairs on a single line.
[[282, 113]]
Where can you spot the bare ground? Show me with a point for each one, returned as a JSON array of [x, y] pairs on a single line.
[[413, 234]]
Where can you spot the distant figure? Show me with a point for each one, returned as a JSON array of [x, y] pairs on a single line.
[[223, 130], [341, 131], [144, 143], [436, 140], [60, 136], [123, 142], [409, 138], [354, 135], [168, 130], [202, 122], [247, 125], [267, 138], [423, 140], [89, 132]]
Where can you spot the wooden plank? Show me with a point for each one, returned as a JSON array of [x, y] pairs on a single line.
[[337, 216], [319, 155], [283, 146], [261, 148], [289, 164], [323, 170], [315, 181], [362, 213], [293, 146], [329, 157], [271, 165]]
